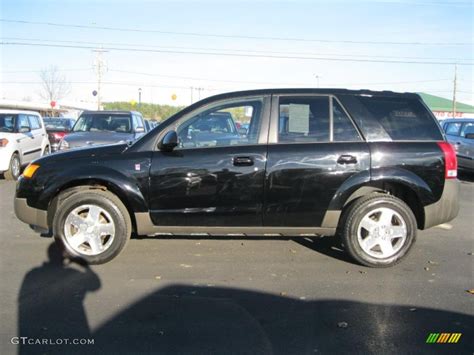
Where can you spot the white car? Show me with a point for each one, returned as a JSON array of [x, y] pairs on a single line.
[[23, 139]]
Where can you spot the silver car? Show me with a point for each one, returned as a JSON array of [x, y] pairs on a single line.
[[460, 133], [104, 127]]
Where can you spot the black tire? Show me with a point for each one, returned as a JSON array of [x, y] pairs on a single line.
[[12, 173], [353, 216], [108, 202]]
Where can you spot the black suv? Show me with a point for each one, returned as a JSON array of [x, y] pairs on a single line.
[[368, 167]]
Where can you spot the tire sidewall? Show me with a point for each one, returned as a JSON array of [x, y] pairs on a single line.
[[10, 174], [122, 232], [362, 210]]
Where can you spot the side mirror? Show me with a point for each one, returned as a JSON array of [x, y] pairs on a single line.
[[469, 136], [139, 129], [25, 129], [168, 142]]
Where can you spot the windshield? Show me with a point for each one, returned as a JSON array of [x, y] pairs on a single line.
[[7, 123], [57, 123], [103, 123]]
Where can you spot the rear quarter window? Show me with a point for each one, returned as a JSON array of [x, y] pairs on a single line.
[[402, 118]]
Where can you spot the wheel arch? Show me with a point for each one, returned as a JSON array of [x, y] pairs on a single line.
[[133, 202], [407, 187]]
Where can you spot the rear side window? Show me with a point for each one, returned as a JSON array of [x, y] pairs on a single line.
[[468, 128], [402, 118], [23, 122], [34, 122], [304, 119], [344, 130], [308, 119]]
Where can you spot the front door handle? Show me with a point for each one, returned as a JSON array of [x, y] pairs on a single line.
[[243, 161], [347, 159]]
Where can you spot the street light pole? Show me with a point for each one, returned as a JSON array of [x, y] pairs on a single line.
[[139, 97], [317, 81]]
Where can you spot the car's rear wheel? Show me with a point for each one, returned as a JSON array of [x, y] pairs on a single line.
[[378, 231], [92, 225], [14, 169]]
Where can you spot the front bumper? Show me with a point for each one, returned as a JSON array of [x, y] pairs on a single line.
[[5, 157], [30, 215], [446, 208]]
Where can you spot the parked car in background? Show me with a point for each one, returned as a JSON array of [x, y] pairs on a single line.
[[370, 167], [149, 124], [104, 127], [460, 133], [23, 139], [209, 129], [57, 128]]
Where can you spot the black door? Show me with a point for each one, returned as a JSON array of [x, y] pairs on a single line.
[[313, 149], [215, 177]]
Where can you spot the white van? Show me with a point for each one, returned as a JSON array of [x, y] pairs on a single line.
[[23, 139]]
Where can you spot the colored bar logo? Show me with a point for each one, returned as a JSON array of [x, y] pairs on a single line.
[[443, 338]]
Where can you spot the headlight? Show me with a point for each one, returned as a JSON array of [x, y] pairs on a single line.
[[3, 142], [30, 170], [63, 144]]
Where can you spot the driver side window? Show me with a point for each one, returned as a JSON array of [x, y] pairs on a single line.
[[229, 124]]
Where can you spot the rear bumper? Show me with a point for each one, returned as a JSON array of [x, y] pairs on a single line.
[[446, 208], [30, 215]]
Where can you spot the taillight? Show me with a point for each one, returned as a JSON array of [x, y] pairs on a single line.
[[59, 135], [450, 160]]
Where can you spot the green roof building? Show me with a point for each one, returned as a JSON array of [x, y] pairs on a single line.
[[443, 108]]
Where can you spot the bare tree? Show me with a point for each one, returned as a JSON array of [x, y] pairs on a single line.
[[54, 84]]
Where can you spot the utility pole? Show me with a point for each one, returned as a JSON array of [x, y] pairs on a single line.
[[192, 89], [454, 89], [139, 97], [199, 92], [100, 68]]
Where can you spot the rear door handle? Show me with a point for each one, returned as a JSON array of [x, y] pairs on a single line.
[[243, 161], [347, 159]]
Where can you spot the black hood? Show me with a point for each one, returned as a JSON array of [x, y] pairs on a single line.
[[86, 152]]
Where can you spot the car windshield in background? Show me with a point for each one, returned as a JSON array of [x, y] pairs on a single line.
[[57, 123], [402, 118], [7, 123], [103, 123]]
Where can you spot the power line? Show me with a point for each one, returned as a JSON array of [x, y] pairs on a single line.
[[236, 54], [134, 45], [39, 71], [247, 82], [205, 79], [197, 34]]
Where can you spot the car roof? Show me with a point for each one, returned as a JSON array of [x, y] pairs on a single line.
[[111, 112], [327, 91], [16, 112], [447, 120]]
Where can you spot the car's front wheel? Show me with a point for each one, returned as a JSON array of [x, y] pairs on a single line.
[[378, 231], [14, 169], [92, 225]]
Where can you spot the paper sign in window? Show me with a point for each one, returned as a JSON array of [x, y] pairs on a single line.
[[299, 118]]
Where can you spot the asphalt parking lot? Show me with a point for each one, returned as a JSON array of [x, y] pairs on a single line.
[[191, 295]]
